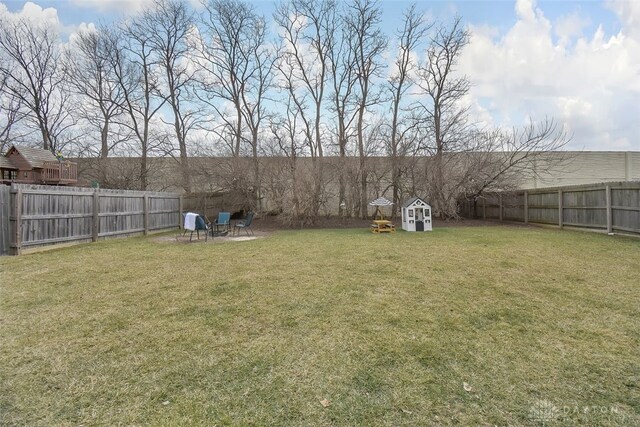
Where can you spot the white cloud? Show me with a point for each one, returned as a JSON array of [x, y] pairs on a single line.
[[525, 10], [34, 13], [40, 16], [629, 13], [124, 6], [570, 26], [590, 83]]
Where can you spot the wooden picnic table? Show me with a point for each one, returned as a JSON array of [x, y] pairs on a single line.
[[382, 226]]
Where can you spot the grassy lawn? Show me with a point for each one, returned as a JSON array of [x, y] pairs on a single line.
[[462, 326]]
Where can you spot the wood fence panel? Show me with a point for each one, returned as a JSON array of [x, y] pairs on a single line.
[[625, 208], [163, 212], [48, 218], [625, 196], [121, 215], [543, 207], [609, 206], [585, 208], [43, 215], [626, 220], [513, 207], [492, 206], [492, 211]]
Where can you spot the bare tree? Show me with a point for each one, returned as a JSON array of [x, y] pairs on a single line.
[[295, 99], [136, 69], [413, 32], [33, 78], [169, 24], [285, 132], [232, 30], [237, 70], [444, 91], [308, 28], [494, 160], [465, 161], [368, 42], [90, 73], [343, 77], [253, 107], [10, 115], [503, 159]]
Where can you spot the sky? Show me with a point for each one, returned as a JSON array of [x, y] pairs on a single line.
[[577, 62]]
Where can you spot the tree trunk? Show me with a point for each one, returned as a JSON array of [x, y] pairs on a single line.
[[395, 178], [256, 171], [182, 144], [342, 143], [104, 140], [238, 129], [363, 165], [46, 140], [143, 170]]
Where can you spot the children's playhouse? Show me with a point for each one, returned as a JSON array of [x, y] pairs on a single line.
[[416, 215]]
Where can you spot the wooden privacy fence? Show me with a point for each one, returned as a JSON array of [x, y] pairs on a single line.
[[34, 215], [612, 206]]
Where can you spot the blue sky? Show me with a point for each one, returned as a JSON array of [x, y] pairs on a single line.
[[496, 13], [575, 61]]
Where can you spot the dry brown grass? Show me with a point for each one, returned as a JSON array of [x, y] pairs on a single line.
[[325, 327]]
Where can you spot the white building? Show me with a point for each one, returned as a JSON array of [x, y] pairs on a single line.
[[416, 215]]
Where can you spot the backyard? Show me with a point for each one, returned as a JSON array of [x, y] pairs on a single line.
[[462, 326]]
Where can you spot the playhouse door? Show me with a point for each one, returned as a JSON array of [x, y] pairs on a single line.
[[419, 220]]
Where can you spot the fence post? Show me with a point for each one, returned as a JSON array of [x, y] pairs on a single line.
[[180, 214], [560, 209], [17, 244], [500, 207], [145, 201], [484, 208], [5, 219], [95, 226], [526, 206], [609, 215]]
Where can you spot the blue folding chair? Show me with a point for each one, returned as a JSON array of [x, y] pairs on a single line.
[[222, 223], [245, 224]]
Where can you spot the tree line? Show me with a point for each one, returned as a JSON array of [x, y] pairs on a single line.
[[317, 80]]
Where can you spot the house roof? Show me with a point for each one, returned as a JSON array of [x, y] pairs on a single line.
[[6, 163], [34, 156], [412, 201]]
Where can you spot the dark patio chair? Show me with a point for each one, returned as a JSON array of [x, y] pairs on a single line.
[[201, 225], [244, 224]]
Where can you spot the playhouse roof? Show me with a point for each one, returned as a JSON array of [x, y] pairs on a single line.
[[6, 164], [34, 156], [411, 201]]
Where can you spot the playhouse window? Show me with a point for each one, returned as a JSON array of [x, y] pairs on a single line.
[[26, 174], [9, 174], [410, 213]]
